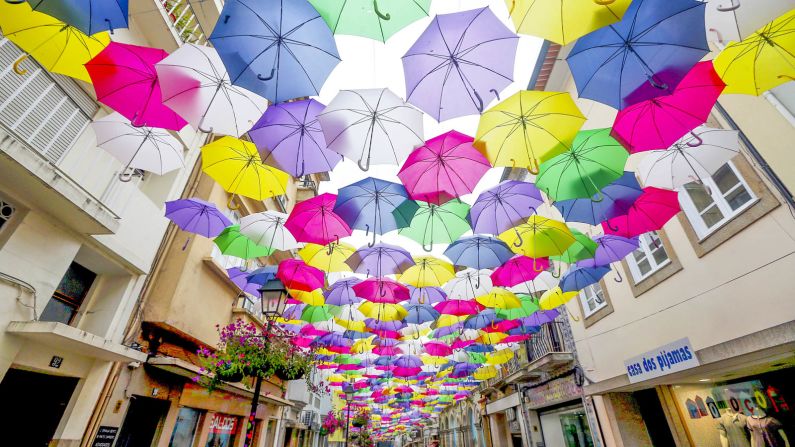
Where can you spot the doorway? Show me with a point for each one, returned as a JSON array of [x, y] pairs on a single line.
[[142, 422], [35, 405], [654, 417]]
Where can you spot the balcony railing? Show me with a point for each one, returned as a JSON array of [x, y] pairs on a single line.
[[184, 21], [548, 340]]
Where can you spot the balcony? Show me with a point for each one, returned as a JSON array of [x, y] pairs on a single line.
[[306, 188], [185, 22]]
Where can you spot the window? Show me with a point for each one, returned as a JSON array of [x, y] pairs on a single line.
[[592, 299], [648, 258], [6, 211], [717, 201], [184, 433], [69, 295]]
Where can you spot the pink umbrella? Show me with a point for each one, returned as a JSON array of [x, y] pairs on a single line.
[[314, 221], [387, 350], [516, 338], [125, 79], [295, 274], [659, 122], [446, 167], [438, 349], [311, 331], [458, 307], [518, 270], [382, 290], [461, 344], [406, 372], [650, 212], [302, 342]]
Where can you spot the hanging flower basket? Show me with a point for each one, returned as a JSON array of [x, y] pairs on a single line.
[[229, 376], [287, 375]]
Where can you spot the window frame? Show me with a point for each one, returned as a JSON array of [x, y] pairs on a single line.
[[632, 263], [601, 302]]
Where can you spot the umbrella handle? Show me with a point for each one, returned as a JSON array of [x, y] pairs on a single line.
[[535, 267], [17, 68], [480, 100], [378, 12], [555, 271], [185, 245], [202, 129], [421, 299], [720, 36], [519, 240], [618, 278], [604, 2], [656, 84], [598, 197], [534, 167], [269, 77], [610, 226], [230, 203], [366, 167], [571, 315], [496, 93], [134, 123], [698, 140], [15, 2], [513, 5], [731, 7], [427, 249], [110, 25]]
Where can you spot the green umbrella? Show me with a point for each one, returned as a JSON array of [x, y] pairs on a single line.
[[583, 248], [375, 19], [476, 357], [528, 306], [232, 243], [595, 160], [346, 359], [314, 314], [431, 223]]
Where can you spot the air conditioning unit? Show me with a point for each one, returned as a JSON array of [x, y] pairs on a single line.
[[307, 417], [510, 413]]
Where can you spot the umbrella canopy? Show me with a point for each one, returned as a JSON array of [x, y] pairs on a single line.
[[697, 155], [197, 216], [478, 252], [447, 81], [426, 295], [89, 16], [468, 284], [594, 160], [368, 204], [267, 229], [314, 314], [194, 83], [381, 290], [617, 197], [427, 271], [237, 167], [314, 221], [579, 278], [527, 306], [421, 313], [563, 21], [458, 307], [383, 311], [504, 206], [540, 237], [610, 248], [377, 20], [240, 278], [232, 243], [125, 79], [57, 46], [287, 51], [555, 298], [517, 270], [145, 148], [444, 168], [729, 22], [380, 259], [371, 126], [308, 297], [582, 248], [648, 52], [296, 275], [657, 123], [499, 298], [761, 61], [529, 128], [329, 258], [650, 212], [341, 293], [262, 275], [288, 137], [432, 224]]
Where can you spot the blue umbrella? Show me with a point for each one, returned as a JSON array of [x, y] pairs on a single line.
[[341, 292], [356, 335], [579, 278], [479, 252], [643, 56], [482, 319], [479, 347], [524, 330], [89, 16], [262, 275], [379, 260], [618, 196], [426, 295], [368, 204], [279, 49], [420, 313]]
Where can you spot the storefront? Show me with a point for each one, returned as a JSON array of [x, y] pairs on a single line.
[[556, 413], [223, 430]]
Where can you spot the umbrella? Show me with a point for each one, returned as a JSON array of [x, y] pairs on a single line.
[[540, 317], [763, 60], [383, 311], [125, 79], [459, 63], [499, 298], [582, 248], [610, 248], [278, 49], [504, 206], [554, 298], [372, 126], [427, 271], [694, 157], [594, 160], [381, 290], [444, 168], [657, 123], [240, 279], [368, 205], [329, 258], [641, 57], [267, 229], [484, 319], [236, 166], [438, 349], [563, 21], [478, 252], [232, 243], [194, 83], [485, 373], [468, 284], [314, 314], [89, 16], [727, 21], [421, 313], [377, 20], [517, 270], [458, 307], [314, 221], [58, 47], [528, 128], [197, 216], [295, 274], [650, 212], [540, 237], [288, 137], [262, 275], [430, 223], [380, 259], [499, 357], [310, 297], [579, 278], [527, 306], [145, 148], [426, 295], [616, 198]]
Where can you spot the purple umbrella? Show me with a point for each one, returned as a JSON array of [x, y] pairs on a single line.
[[289, 138], [447, 330], [240, 278], [378, 325], [504, 206], [408, 361], [426, 295], [341, 292], [380, 259], [540, 317], [462, 370], [293, 312], [610, 248], [460, 63], [197, 216]]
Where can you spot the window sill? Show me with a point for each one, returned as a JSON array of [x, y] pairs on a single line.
[[728, 221], [669, 269], [652, 272]]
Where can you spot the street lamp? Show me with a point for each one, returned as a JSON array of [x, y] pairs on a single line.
[[348, 391]]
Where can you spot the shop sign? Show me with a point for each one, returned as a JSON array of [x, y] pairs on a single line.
[[223, 424], [105, 436], [667, 359], [556, 391]]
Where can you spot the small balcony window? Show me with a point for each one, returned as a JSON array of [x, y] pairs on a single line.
[[68, 297], [592, 298], [648, 258]]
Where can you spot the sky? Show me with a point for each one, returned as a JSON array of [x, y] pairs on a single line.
[[370, 64]]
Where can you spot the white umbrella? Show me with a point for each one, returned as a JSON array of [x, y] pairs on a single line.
[[146, 148], [469, 284], [373, 126], [195, 84], [544, 281], [695, 156], [267, 229], [350, 312], [734, 20]]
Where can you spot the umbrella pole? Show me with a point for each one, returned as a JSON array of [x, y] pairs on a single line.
[[123, 177]]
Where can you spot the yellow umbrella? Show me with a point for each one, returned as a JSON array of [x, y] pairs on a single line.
[[383, 311], [363, 345], [563, 21], [313, 298], [282, 320], [499, 357], [499, 298], [324, 351], [336, 378], [555, 298], [433, 360], [540, 237], [485, 373], [491, 338], [761, 61], [414, 332], [357, 326], [318, 256], [445, 320], [235, 164], [528, 128], [58, 47], [428, 272]]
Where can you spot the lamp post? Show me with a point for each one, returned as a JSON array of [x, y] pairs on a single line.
[[348, 391]]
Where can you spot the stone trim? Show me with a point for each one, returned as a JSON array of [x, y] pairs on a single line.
[[647, 283], [595, 317]]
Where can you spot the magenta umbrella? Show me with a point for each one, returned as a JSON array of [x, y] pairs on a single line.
[[445, 167], [659, 122], [295, 274], [125, 80], [382, 290], [438, 348], [314, 221], [517, 270], [650, 212]]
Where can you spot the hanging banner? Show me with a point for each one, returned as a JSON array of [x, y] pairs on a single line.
[[673, 357]]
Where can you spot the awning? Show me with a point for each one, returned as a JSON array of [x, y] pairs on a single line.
[[61, 337]]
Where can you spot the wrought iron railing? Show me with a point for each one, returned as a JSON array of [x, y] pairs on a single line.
[[183, 20], [550, 339]]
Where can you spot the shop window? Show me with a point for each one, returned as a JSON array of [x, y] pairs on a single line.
[[720, 198], [65, 303], [650, 257], [223, 430], [592, 298], [184, 432]]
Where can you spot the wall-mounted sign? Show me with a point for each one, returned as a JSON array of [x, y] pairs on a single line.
[[105, 436], [667, 359], [55, 361]]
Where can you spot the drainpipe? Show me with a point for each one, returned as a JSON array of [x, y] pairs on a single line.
[[772, 99]]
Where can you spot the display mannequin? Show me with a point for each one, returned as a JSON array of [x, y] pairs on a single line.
[[732, 427], [766, 431]]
